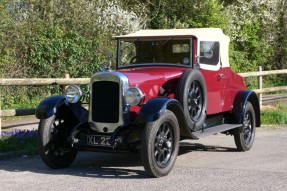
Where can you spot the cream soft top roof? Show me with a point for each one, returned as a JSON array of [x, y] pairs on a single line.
[[197, 32], [215, 34]]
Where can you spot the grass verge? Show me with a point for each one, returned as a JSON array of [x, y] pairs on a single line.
[[274, 114], [272, 117]]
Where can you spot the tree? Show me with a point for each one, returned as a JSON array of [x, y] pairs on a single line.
[[186, 14], [49, 38], [255, 28]]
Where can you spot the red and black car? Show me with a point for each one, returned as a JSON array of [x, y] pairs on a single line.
[[168, 85]]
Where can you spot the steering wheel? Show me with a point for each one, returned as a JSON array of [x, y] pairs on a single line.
[[133, 60]]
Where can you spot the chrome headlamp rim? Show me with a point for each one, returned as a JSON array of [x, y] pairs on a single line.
[[134, 96], [73, 93]]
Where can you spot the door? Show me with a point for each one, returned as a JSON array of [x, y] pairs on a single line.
[[215, 76]]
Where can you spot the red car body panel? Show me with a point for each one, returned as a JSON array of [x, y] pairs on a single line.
[[222, 85]]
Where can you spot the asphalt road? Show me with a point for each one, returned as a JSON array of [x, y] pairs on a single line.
[[211, 163]]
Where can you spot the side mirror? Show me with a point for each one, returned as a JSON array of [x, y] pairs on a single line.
[[208, 54]]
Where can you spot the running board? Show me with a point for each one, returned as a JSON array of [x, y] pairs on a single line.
[[215, 129]]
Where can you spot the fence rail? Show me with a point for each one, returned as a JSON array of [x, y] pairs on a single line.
[[262, 73], [84, 81], [43, 81]]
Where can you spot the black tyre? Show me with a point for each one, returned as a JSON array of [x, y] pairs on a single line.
[[52, 144], [244, 136], [192, 94], [160, 144]]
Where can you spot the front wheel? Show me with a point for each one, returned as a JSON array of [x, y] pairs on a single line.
[[52, 145], [244, 135], [160, 144]]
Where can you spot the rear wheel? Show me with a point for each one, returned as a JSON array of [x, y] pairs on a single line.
[[160, 144], [244, 136], [52, 143]]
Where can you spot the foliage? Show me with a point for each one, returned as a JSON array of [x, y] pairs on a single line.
[[39, 37], [186, 14], [70, 52], [256, 31], [24, 97], [18, 140], [40, 34], [45, 39]]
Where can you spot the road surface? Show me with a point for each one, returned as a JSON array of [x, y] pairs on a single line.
[[211, 163]]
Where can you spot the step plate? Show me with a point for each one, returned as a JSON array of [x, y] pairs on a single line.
[[215, 129]]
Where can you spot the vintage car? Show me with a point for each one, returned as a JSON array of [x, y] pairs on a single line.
[[167, 85]]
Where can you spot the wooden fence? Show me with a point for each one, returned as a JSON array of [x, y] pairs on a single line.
[[83, 81]]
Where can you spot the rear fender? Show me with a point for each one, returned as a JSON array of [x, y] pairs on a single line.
[[156, 107], [239, 105]]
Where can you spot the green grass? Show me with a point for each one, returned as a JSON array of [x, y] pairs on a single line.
[[282, 106], [275, 114], [274, 117]]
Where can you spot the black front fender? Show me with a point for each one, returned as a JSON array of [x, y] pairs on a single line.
[[49, 106], [153, 109], [57, 105], [156, 107]]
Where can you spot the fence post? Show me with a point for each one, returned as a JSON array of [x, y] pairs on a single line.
[[260, 86], [66, 76]]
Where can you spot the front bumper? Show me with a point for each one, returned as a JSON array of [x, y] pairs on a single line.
[[119, 140]]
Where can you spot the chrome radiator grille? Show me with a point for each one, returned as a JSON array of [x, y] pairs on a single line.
[[107, 105]]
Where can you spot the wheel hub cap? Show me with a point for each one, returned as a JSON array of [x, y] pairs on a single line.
[[247, 128], [163, 145], [194, 101]]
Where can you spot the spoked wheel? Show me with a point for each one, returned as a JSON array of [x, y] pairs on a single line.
[[160, 144], [244, 136], [163, 145], [52, 143], [195, 100], [192, 94]]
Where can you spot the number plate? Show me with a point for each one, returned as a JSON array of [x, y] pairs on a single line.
[[98, 140]]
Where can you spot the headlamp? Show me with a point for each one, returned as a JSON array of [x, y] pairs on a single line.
[[73, 93], [133, 96]]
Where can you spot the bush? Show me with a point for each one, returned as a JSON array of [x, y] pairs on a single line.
[[62, 52], [18, 140]]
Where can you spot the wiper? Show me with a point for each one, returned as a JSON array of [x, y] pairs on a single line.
[[166, 41]]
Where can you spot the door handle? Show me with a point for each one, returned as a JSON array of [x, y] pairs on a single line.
[[221, 76]]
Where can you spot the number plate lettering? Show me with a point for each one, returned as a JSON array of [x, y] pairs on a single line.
[[96, 140]]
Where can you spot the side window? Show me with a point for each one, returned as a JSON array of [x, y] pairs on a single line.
[[209, 52]]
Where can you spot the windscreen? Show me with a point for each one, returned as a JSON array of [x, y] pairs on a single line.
[[166, 51]]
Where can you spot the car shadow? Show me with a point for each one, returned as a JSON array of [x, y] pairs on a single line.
[[100, 165], [186, 147], [86, 164], [110, 165]]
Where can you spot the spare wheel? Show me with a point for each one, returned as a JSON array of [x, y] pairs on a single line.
[[192, 94]]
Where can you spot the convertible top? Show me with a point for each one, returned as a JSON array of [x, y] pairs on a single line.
[[196, 32]]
